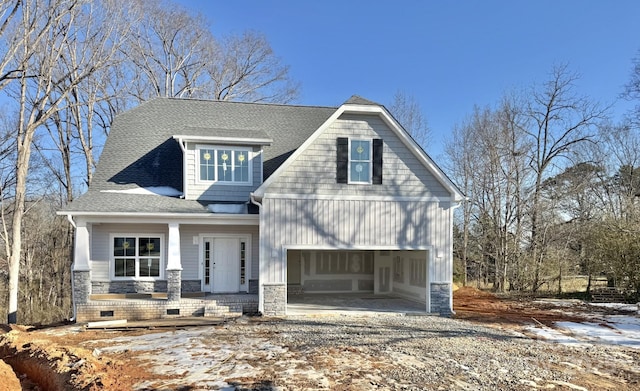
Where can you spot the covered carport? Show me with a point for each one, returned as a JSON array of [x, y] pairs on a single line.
[[357, 280]]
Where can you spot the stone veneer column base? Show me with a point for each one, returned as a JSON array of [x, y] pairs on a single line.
[[275, 299], [81, 286], [441, 298], [174, 281]]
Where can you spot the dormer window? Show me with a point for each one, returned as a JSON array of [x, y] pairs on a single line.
[[224, 164]]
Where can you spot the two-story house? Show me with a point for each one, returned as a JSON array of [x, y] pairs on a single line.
[[195, 204]]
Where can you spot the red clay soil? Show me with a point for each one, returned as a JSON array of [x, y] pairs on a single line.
[[485, 307], [45, 363], [9, 380]]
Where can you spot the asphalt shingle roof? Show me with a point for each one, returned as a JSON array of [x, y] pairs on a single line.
[[141, 152]]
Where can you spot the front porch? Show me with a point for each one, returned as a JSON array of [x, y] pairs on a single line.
[[156, 306]]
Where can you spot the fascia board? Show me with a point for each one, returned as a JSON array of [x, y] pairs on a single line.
[[422, 156], [163, 218], [259, 192], [224, 140], [393, 125]]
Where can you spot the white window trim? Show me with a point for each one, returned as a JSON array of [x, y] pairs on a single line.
[[250, 155], [137, 236], [247, 238], [349, 161]]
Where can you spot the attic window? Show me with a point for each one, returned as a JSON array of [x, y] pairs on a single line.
[[359, 161], [224, 164]]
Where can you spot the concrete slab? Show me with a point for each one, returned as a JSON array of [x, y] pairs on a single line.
[[352, 304]]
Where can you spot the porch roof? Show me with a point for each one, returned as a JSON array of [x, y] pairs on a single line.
[[118, 203]]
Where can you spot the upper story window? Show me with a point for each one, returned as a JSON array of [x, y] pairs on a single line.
[[359, 161], [224, 164]]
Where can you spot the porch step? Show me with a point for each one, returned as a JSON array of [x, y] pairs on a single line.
[[294, 289]]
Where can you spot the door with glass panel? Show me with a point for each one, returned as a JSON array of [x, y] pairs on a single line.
[[221, 264]]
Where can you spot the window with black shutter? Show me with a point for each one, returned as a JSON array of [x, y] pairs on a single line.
[[359, 161]]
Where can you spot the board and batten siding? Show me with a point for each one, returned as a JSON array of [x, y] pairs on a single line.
[[347, 224], [314, 171], [219, 192]]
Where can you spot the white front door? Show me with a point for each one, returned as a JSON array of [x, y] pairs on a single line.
[[221, 266]]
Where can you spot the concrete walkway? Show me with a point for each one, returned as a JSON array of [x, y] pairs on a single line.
[[352, 304]]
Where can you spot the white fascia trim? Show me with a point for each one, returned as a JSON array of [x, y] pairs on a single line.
[[164, 218], [393, 125], [259, 192], [422, 156], [224, 140], [428, 198], [356, 247]]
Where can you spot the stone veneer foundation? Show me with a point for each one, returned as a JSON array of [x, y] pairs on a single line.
[[441, 298]]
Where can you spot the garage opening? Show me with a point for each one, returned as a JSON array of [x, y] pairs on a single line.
[[358, 276]]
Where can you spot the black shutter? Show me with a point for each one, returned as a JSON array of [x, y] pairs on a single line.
[[342, 159], [378, 146]]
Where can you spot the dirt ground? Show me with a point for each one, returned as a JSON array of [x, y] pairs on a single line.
[[55, 361]]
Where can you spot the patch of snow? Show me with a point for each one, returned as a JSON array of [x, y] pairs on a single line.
[[617, 306], [552, 335], [559, 302], [205, 365], [228, 208], [623, 331], [153, 190]]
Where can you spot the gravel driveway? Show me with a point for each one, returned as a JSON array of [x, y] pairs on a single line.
[[376, 352]]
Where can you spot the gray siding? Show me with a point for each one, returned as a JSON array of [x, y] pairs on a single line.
[[189, 252], [314, 172], [344, 224], [219, 192], [100, 246]]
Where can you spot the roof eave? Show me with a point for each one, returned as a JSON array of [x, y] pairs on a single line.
[[223, 140]]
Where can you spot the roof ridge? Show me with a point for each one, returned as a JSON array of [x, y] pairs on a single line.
[[240, 102]]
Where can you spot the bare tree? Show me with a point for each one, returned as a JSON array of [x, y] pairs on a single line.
[[44, 34], [167, 48], [488, 151], [245, 68], [559, 120], [409, 114]]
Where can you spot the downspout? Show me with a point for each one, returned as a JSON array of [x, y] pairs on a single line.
[[184, 166], [254, 200], [454, 206], [73, 300]]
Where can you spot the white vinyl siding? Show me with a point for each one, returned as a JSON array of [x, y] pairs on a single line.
[[355, 224], [404, 175]]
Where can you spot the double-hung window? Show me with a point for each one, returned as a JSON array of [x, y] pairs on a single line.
[[360, 161], [137, 256], [224, 164]]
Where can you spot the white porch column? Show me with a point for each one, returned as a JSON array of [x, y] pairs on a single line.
[[174, 264], [81, 269], [173, 257], [81, 250]]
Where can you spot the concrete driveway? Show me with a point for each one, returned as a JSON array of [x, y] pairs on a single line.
[[351, 304]]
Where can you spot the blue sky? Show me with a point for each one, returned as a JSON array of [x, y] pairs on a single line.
[[449, 55]]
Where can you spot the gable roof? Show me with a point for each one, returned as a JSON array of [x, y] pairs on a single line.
[[360, 105], [141, 150]]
